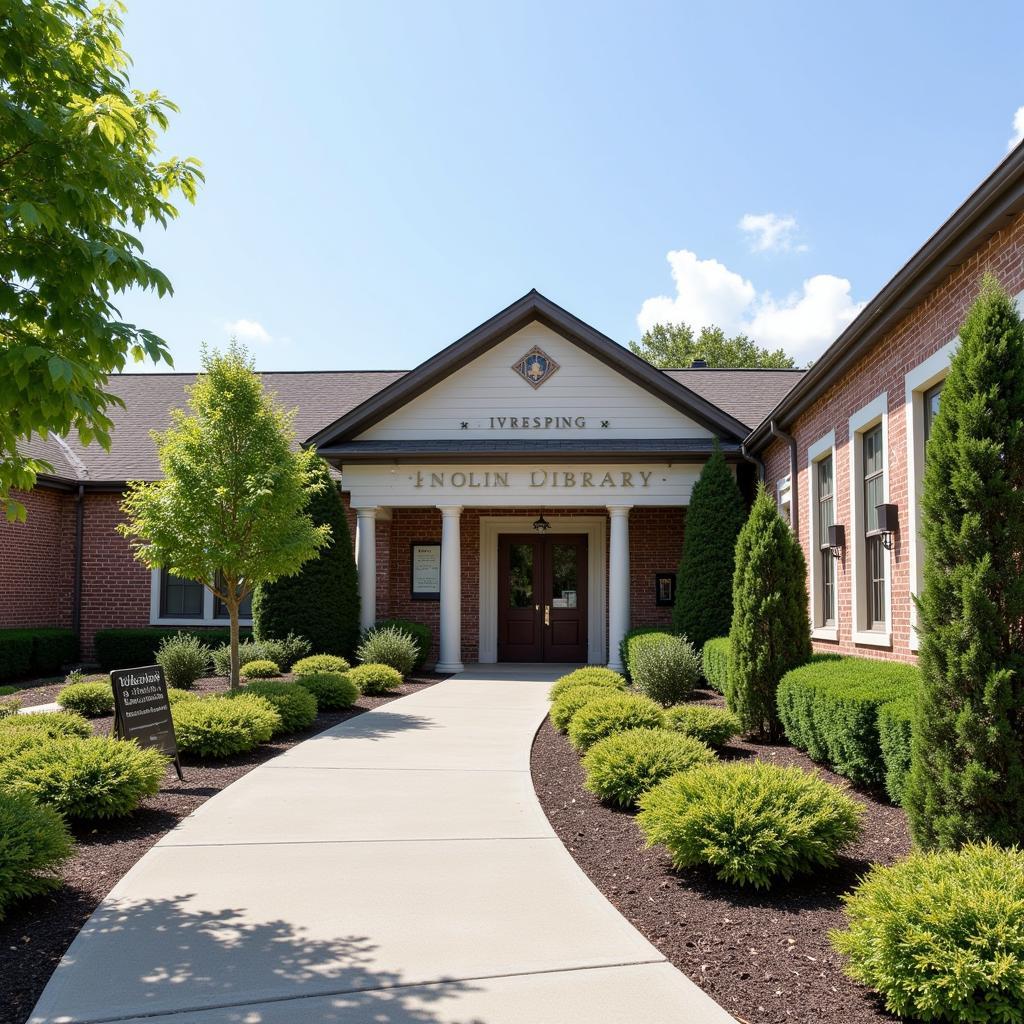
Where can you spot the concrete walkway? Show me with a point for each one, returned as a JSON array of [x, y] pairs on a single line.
[[394, 869]]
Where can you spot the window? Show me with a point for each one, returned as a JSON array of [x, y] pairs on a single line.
[[180, 599], [173, 600], [220, 609], [784, 501], [931, 410], [826, 517], [873, 461], [822, 568]]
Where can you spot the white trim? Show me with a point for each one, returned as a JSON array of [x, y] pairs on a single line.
[[875, 412], [825, 633], [595, 528], [207, 619], [919, 380], [823, 448]]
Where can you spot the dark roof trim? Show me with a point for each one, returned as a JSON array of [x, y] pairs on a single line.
[[532, 306], [69, 484], [996, 201]]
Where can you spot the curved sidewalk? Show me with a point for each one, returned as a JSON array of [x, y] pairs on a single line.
[[394, 869]]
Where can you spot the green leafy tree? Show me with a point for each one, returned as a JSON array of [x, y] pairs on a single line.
[[321, 600], [78, 172], [230, 511], [770, 632], [674, 345], [967, 754], [714, 518]]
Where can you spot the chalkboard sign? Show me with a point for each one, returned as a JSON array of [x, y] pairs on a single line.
[[142, 711]]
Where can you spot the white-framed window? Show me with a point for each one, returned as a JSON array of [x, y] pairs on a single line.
[[821, 510], [178, 602], [869, 487], [784, 500]]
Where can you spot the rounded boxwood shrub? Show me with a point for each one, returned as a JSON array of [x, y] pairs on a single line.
[[16, 741], [50, 724], [571, 701], [604, 715], [664, 667], [320, 663], [711, 725], [592, 675], [219, 727], [90, 699], [184, 659], [940, 936], [94, 778], [750, 822], [389, 645], [295, 705], [34, 843], [332, 690], [262, 668], [622, 766], [375, 679]]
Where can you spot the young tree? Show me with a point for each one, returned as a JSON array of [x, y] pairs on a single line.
[[967, 765], [713, 520], [321, 600], [770, 632], [667, 345], [78, 171], [230, 511]]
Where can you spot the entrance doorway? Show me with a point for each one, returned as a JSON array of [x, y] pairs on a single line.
[[542, 597]]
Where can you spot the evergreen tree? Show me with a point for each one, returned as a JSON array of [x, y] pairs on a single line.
[[967, 766], [713, 520], [771, 632], [321, 601]]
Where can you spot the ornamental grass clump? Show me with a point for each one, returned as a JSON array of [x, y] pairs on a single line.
[[184, 659], [333, 691], [262, 668], [294, 704], [34, 843], [591, 675], [389, 645], [711, 725], [614, 713], [751, 823], [664, 667], [220, 726], [622, 766], [86, 778], [570, 701], [940, 936], [49, 724], [320, 663], [93, 699], [375, 680]]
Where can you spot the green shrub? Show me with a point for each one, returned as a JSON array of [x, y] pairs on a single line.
[[750, 822], [830, 707], [9, 706], [615, 713], [711, 725], [895, 737], [664, 667], [375, 679], [14, 742], [941, 935], [317, 663], [219, 726], [626, 644], [422, 635], [90, 699], [570, 701], [184, 659], [51, 724], [15, 653], [714, 659], [34, 843], [260, 669], [591, 675], [332, 690], [295, 705], [36, 651], [251, 650], [129, 648], [622, 766], [175, 695], [86, 778], [389, 645], [6, 691]]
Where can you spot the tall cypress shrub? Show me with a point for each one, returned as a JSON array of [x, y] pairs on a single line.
[[320, 602], [770, 632], [703, 608], [967, 755]]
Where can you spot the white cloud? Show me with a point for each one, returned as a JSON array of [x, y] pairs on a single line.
[[709, 293], [1018, 129], [770, 232], [248, 331]]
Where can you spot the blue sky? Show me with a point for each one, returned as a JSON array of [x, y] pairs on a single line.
[[381, 177]]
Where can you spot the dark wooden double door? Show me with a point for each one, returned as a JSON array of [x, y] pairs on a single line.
[[542, 597]]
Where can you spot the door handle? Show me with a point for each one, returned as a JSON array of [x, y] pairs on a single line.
[[547, 615]]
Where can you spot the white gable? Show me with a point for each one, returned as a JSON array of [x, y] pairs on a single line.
[[495, 402]]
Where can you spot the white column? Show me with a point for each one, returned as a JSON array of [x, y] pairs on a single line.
[[366, 565], [618, 582], [450, 656]]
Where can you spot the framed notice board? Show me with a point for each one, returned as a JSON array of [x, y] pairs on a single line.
[[142, 711], [664, 589], [425, 570]]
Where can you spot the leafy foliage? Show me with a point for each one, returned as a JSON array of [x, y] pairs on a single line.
[[375, 680], [129, 648], [89, 699], [389, 645], [628, 643], [78, 171], [710, 725], [34, 843], [570, 701], [895, 737], [664, 667], [184, 659], [615, 712], [220, 727], [332, 690], [622, 766], [770, 632], [591, 675], [86, 778], [295, 705], [41, 651], [282, 652], [714, 518], [423, 635], [752, 823], [715, 662], [967, 778], [320, 663], [174, 695], [262, 668], [674, 345], [940, 935], [51, 724]]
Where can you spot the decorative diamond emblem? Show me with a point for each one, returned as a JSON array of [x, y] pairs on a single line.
[[536, 367]]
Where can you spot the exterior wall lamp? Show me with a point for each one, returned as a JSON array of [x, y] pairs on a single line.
[[541, 525], [836, 539], [888, 524]]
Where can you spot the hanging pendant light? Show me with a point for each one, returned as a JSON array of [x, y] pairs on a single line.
[[541, 525]]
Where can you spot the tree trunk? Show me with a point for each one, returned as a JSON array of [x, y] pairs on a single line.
[[232, 602]]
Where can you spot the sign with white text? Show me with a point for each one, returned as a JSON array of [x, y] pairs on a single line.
[[142, 711]]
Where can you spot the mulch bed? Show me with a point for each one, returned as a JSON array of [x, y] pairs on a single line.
[[764, 956], [37, 932]]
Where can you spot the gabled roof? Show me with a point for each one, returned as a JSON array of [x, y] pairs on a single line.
[[530, 308], [746, 394]]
